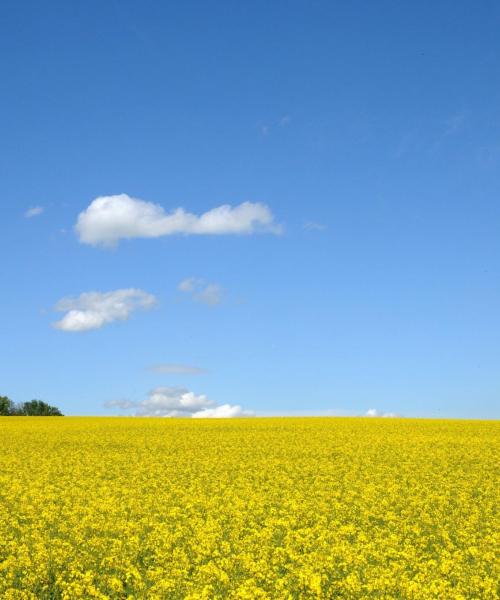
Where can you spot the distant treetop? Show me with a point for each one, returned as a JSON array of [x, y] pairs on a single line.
[[33, 408]]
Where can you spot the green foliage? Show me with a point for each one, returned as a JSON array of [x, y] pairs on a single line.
[[6, 406], [37, 408], [33, 408]]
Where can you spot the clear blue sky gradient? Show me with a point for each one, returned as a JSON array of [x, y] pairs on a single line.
[[379, 121]]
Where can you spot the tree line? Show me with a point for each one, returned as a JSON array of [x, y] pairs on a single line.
[[32, 408]]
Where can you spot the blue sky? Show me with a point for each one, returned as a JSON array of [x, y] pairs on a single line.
[[364, 270]]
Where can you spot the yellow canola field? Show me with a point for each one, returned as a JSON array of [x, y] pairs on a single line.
[[249, 509]]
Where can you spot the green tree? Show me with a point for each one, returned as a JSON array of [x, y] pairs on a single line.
[[37, 408], [7, 407]]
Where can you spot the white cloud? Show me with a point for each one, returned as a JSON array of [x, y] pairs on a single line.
[[267, 128], [179, 402], [189, 284], [373, 412], [121, 404], [313, 226], [34, 211], [211, 295], [176, 369], [224, 411], [206, 293], [92, 310], [109, 219], [172, 402]]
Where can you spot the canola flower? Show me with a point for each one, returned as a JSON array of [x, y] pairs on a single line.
[[248, 509]]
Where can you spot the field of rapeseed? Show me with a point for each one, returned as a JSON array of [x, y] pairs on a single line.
[[251, 508]]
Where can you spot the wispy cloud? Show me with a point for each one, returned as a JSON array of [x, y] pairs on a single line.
[[178, 402], [211, 295], [373, 412], [93, 310], [176, 369], [452, 126], [313, 226], [121, 404], [109, 219], [430, 138], [34, 211], [267, 128], [201, 291], [190, 284]]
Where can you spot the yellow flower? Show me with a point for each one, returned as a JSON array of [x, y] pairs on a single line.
[[248, 509]]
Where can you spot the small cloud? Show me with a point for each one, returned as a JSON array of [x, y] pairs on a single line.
[[121, 404], [200, 291], [178, 402], [34, 211], [176, 369], [109, 219], [224, 411], [266, 128], [189, 284], [313, 226], [172, 402], [210, 295], [93, 310], [373, 412]]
